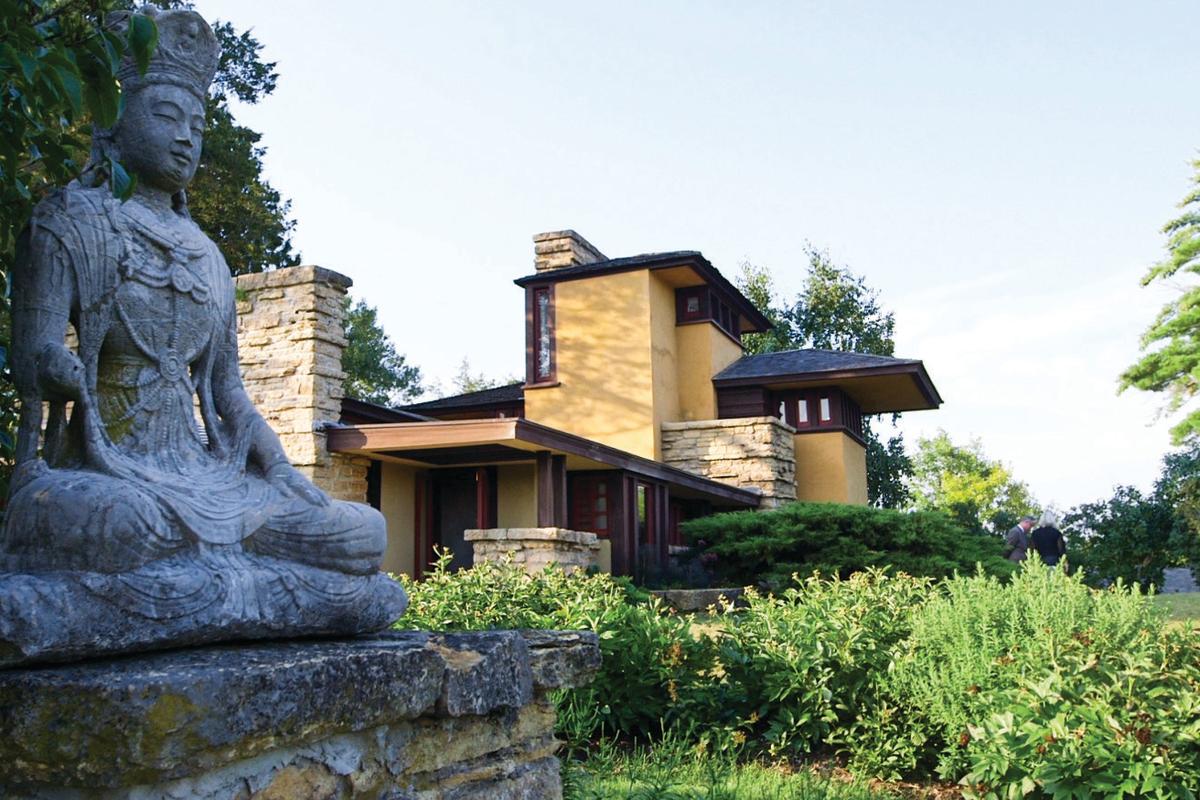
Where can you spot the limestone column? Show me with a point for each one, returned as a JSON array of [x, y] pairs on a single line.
[[290, 340]]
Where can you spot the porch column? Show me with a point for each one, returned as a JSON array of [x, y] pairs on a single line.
[[551, 490]]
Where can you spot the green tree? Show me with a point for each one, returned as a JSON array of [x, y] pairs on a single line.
[[888, 469], [466, 381], [1134, 536], [980, 493], [375, 372], [1171, 346], [759, 287], [835, 310], [1178, 488], [58, 64], [1127, 536]]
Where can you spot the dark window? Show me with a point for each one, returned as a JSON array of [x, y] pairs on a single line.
[[691, 304], [539, 366], [591, 505], [826, 408], [698, 303]]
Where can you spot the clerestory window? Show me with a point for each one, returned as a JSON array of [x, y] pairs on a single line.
[[539, 335]]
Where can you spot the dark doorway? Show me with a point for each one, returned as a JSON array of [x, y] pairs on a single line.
[[455, 510]]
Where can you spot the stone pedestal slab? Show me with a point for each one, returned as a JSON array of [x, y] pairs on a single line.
[[397, 715]]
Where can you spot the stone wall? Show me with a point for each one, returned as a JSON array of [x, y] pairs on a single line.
[[750, 452], [558, 249], [290, 342], [536, 548], [403, 716]]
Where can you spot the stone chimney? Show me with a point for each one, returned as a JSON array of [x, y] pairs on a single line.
[[290, 341], [558, 249]]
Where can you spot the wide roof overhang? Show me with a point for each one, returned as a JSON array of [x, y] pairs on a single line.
[[877, 390], [483, 442]]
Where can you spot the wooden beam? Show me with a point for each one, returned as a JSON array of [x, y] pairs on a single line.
[[412, 435], [545, 489], [559, 468]]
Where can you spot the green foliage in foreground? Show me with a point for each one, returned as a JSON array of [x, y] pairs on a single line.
[[653, 667], [753, 547], [976, 646], [675, 770], [1038, 686]]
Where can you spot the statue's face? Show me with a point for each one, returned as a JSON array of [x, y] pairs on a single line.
[[160, 134]]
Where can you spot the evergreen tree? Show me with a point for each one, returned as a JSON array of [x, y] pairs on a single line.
[[375, 372], [1171, 346]]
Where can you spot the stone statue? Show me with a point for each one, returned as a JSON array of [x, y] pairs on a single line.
[[161, 509]]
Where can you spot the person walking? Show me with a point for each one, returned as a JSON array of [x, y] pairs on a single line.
[[1048, 540], [1017, 540]]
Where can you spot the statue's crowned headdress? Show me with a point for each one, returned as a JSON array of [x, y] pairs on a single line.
[[186, 54]]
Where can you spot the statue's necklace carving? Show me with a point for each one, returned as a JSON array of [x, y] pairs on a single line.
[[158, 257], [140, 263]]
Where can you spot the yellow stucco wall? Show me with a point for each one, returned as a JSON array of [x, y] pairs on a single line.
[[396, 498], [603, 362], [830, 467], [664, 357], [516, 496], [703, 352], [855, 458], [604, 557]]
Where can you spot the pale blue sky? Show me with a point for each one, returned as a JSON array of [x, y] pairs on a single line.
[[999, 172]]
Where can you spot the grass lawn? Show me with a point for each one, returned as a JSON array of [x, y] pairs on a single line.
[[1181, 608], [672, 771]]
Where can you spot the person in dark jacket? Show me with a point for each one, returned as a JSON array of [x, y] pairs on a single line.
[[1017, 540], [1048, 540]]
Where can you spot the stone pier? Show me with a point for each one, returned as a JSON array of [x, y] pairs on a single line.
[[536, 548], [402, 716], [750, 452], [291, 334]]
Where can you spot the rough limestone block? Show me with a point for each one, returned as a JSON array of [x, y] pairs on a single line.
[[399, 715]]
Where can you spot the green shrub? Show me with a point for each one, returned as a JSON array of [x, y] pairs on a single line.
[[977, 642], [799, 665], [1039, 686], [1095, 725], [652, 666], [753, 547]]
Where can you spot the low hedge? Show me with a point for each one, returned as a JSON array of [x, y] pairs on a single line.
[[1035, 686], [768, 547]]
